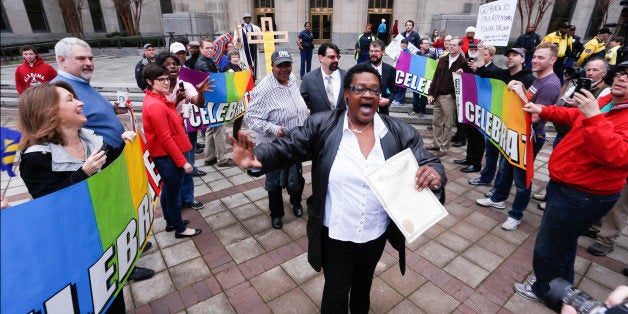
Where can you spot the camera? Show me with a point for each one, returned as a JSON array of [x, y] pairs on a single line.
[[575, 73], [562, 292]]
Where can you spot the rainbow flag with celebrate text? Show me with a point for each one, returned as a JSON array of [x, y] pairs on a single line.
[[225, 103], [415, 72], [490, 107], [71, 251]]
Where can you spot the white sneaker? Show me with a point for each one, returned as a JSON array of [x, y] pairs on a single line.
[[396, 103], [511, 224], [487, 202], [525, 290], [531, 280]]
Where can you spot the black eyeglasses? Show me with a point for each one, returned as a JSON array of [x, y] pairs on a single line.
[[359, 89]]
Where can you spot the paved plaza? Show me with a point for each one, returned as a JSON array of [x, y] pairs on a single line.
[[465, 263]]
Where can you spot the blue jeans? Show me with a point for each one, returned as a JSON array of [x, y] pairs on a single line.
[[306, 60], [172, 177], [491, 156], [567, 214], [400, 94], [510, 173], [419, 102], [187, 189]]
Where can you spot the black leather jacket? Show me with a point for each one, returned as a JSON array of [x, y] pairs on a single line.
[[318, 140]]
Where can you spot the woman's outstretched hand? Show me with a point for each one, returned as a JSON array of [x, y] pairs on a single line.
[[243, 151]]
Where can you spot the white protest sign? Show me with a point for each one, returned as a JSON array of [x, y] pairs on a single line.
[[495, 22], [394, 48]]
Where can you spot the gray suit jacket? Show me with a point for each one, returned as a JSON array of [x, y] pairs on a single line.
[[314, 94]]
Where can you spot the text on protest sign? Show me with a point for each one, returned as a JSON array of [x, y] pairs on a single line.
[[415, 72], [495, 22]]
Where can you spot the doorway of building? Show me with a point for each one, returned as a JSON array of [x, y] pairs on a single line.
[[321, 27], [376, 19]]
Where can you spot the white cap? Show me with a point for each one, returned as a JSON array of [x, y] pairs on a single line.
[[246, 15], [383, 20], [176, 47], [470, 29]]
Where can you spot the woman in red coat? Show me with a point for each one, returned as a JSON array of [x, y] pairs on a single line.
[[166, 141]]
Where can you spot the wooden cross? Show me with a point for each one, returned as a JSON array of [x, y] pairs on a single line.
[[268, 37]]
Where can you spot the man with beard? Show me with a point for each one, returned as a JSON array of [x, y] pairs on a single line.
[[147, 57], [515, 58], [194, 47], [475, 149], [76, 67], [528, 43], [460, 137], [587, 172], [441, 95], [410, 35], [386, 71], [322, 88], [362, 45], [545, 90], [468, 39]]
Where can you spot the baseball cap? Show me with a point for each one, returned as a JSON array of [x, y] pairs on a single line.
[[515, 50], [604, 30], [176, 47], [194, 43], [623, 65], [470, 29], [280, 56], [246, 15], [148, 45], [473, 45]]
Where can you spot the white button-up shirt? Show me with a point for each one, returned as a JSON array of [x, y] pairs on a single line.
[[352, 212]]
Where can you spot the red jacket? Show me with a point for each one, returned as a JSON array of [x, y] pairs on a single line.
[[466, 43], [164, 129], [593, 156], [27, 75]]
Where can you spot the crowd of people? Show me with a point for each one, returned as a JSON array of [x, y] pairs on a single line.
[[339, 120]]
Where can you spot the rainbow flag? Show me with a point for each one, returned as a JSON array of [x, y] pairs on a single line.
[[221, 46], [225, 103], [489, 106], [9, 140], [72, 251], [415, 72]]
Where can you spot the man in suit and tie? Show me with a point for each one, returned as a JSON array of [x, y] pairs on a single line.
[[322, 88], [387, 72]]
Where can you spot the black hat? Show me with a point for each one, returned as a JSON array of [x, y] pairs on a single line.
[[564, 25], [473, 45], [623, 65], [604, 30], [515, 50], [280, 56]]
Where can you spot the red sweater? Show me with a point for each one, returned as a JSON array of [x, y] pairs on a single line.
[[593, 156], [27, 75], [164, 129], [466, 43]]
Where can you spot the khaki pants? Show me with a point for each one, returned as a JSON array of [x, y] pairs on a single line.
[[614, 221], [215, 144], [444, 108]]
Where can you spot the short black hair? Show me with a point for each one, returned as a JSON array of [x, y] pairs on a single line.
[[153, 70], [378, 43], [357, 69], [162, 56], [322, 50], [27, 48], [411, 21], [181, 39], [404, 41]]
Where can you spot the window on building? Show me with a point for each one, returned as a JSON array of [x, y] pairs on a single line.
[[562, 12], [381, 4], [264, 4], [321, 4], [264, 8], [595, 23], [166, 6], [98, 20], [5, 26], [36, 15]]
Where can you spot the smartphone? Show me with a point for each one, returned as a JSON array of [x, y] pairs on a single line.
[[583, 83], [181, 88], [105, 147], [472, 59]]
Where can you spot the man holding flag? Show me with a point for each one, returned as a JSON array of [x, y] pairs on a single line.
[[545, 90]]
